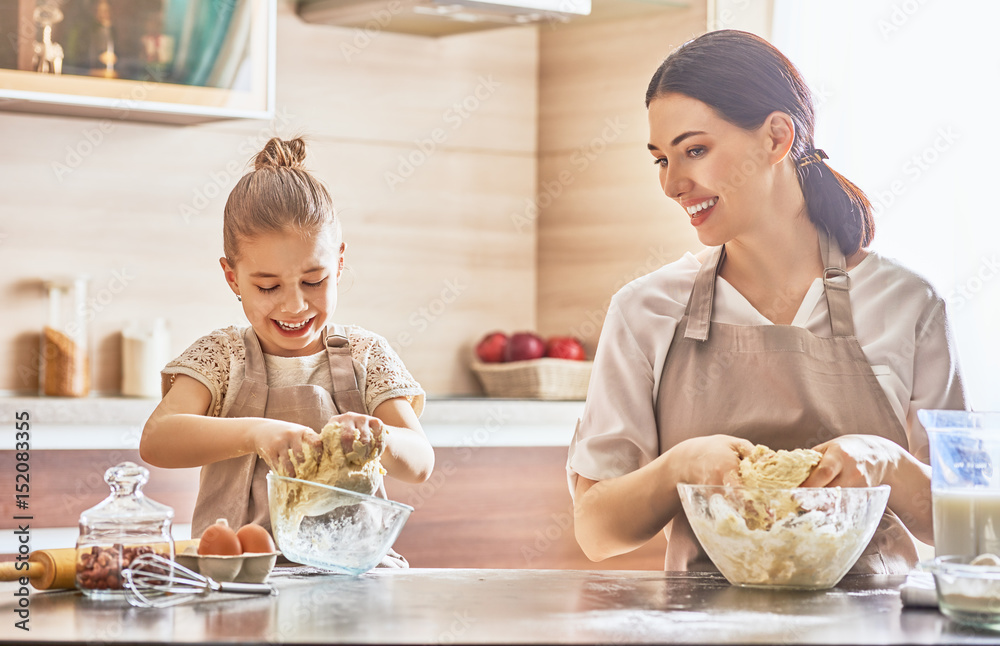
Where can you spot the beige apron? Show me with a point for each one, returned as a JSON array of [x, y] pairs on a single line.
[[776, 385], [236, 489]]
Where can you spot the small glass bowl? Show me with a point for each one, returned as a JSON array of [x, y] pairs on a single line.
[[967, 594]]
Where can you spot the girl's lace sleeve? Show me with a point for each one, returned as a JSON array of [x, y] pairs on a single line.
[[208, 360], [385, 375]]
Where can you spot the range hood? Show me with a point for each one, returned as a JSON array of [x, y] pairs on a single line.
[[439, 17]]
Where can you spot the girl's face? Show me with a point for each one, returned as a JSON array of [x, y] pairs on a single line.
[[717, 171], [288, 283]]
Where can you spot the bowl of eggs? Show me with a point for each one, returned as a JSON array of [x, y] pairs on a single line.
[[246, 555]]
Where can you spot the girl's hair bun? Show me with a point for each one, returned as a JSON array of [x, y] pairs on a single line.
[[278, 153]]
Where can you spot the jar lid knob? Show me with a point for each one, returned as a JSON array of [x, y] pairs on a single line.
[[126, 478]]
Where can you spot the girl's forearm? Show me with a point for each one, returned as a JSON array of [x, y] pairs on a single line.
[[189, 440], [408, 455], [910, 498]]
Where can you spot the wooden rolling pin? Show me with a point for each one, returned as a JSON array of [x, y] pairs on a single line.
[[55, 569]]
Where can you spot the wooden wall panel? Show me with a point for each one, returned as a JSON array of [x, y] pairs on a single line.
[[603, 219]]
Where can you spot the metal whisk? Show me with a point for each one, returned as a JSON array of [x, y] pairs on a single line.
[[152, 581]]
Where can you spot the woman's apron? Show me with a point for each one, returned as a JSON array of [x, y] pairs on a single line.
[[236, 489], [776, 385]]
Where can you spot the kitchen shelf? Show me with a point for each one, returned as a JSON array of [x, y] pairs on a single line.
[[250, 39]]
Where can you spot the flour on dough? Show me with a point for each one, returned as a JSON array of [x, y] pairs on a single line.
[[767, 469], [359, 470]]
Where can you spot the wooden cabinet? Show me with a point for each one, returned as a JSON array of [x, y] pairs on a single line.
[[176, 62], [485, 507]]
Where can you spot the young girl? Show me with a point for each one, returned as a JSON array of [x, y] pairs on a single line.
[[238, 399], [786, 332]]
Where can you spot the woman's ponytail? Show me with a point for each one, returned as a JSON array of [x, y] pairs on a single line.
[[836, 204]]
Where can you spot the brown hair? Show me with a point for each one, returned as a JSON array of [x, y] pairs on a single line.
[[277, 195], [744, 79]]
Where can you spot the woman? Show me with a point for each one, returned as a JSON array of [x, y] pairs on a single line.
[[786, 332]]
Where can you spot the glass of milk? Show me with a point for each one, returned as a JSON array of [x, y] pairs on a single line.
[[965, 480]]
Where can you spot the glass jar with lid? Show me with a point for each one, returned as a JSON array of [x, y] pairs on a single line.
[[123, 526], [65, 364]]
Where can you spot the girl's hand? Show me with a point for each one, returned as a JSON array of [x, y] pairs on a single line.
[[362, 435], [711, 460], [273, 439], [854, 461]]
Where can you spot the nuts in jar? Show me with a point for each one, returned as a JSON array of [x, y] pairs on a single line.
[[101, 568]]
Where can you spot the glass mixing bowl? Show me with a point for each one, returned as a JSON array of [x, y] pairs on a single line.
[[332, 528], [805, 538]]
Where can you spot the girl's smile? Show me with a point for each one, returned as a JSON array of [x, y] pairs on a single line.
[[287, 281]]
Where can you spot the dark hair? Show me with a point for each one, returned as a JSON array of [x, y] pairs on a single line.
[[744, 79], [278, 194]]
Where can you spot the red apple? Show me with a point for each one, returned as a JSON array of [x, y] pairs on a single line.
[[524, 346], [565, 347], [492, 348]]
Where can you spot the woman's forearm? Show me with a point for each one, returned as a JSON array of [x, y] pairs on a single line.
[[910, 498], [618, 515]]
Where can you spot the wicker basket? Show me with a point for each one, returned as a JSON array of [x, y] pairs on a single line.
[[550, 379]]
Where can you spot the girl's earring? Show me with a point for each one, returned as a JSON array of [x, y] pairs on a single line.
[[239, 298]]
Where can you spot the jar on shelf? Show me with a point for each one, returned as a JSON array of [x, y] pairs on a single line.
[[120, 528], [65, 362]]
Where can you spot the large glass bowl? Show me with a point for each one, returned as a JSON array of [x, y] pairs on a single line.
[[968, 594], [805, 538], [332, 528]]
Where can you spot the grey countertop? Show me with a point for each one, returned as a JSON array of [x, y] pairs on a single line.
[[116, 422], [501, 607]]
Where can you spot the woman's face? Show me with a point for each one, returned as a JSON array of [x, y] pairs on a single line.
[[288, 284], [717, 171]]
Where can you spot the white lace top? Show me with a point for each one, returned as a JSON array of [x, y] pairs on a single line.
[[216, 361]]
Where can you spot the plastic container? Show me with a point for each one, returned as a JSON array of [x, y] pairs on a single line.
[[805, 538], [965, 480], [122, 526], [344, 531], [65, 360]]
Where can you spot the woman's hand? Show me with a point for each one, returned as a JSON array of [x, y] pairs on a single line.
[[854, 461], [362, 435], [275, 441], [711, 460], [870, 460]]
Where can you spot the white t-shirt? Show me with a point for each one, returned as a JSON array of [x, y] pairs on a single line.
[[899, 320]]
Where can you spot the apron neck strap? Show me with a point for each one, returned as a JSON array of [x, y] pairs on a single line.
[[836, 284], [253, 362], [346, 394], [699, 306]]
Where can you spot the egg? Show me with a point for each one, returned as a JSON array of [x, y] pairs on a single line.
[[219, 540], [254, 538]]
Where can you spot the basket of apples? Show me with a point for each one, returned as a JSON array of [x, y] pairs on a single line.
[[526, 366]]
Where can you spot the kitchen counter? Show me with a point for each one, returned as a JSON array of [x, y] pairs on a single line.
[[116, 422], [500, 606]]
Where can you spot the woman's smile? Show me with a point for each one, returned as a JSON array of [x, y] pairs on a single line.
[[699, 210]]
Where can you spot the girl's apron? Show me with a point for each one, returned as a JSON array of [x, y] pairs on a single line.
[[236, 489], [776, 385]]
